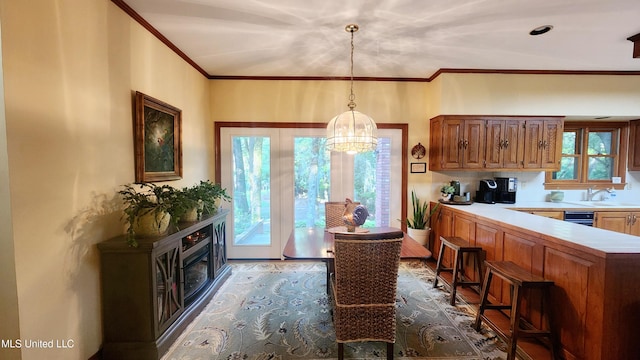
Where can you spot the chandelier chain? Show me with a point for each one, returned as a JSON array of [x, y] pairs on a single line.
[[352, 96]]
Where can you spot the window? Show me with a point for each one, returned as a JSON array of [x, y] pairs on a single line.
[[592, 153]]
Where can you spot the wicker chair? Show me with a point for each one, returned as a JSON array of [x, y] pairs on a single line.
[[364, 288]]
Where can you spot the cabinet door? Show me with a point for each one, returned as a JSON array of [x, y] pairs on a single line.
[[613, 220], [550, 214], [452, 143], [465, 228], [473, 144], [634, 226], [551, 144], [634, 145], [504, 144], [512, 146], [219, 247], [495, 137], [435, 144], [168, 297], [533, 130], [490, 238], [441, 226]]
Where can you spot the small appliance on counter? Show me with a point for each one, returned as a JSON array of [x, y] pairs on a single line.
[[506, 191], [487, 191]]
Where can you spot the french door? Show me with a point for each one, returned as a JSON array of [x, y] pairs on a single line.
[[280, 178]]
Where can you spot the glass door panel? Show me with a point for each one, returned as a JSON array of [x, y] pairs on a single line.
[[311, 162], [247, 164], [251, 189]]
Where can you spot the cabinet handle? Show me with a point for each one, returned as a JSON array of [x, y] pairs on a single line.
[[460, 144], [629, 219], [506, 144], [544, 144], [466, 142], [634, 219], [540, 144]]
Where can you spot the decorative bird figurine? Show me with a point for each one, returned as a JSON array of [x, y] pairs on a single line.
[[356, 217]]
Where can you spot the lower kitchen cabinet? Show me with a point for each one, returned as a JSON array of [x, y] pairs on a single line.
[[550, 214], [620, 221]]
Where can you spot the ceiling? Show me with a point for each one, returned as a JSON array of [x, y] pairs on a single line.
[[397, 38]]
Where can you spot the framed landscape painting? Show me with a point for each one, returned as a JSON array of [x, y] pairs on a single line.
[[157, 140]]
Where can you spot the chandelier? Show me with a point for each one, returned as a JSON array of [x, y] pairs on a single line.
[[352, 131]]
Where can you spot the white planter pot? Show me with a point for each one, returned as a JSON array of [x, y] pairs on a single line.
[[419, 235]]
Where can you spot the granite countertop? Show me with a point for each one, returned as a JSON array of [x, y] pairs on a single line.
[[597, 241]]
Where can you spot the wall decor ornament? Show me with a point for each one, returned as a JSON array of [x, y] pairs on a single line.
[[157, 140]]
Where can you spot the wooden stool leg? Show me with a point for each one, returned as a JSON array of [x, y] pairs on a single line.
[[389, 351], [457, 263], [548, 319], [515, 323], [478, 260], [340, 351], [439, 265], [483, 298]]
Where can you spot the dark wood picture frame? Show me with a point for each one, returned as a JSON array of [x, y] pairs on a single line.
[[418, 167], [157, 140]]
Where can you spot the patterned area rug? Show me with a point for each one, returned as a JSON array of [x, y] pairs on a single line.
[[280, 310]]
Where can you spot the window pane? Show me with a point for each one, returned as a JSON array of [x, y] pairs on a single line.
[[372, 182], [600, 143], [569, 142], [568, 169], [311, 163], [251, 195], [600, 168]]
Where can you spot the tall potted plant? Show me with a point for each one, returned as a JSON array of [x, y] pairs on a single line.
[[418, 227]]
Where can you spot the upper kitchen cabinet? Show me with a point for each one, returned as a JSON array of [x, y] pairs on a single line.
[[462, 142], [634, 145], [542, 144]]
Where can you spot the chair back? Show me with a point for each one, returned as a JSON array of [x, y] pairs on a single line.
[[333, 211], [366, 267]]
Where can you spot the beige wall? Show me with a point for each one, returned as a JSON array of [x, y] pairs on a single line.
[[319, 101], [565, 95], [70, 68]]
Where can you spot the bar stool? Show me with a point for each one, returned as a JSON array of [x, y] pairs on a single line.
[[459, 247], [519, 279]]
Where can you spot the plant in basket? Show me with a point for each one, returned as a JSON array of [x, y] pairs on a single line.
[[148, 210]]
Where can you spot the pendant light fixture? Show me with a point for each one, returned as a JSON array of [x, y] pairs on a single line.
[[352, 131]]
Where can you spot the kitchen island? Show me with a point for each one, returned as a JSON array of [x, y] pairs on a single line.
[[596, 298]]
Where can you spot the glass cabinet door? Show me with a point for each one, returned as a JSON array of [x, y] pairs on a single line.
[[168, 290]]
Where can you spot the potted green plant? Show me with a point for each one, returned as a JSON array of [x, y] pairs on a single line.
[[418, 227], [186, 206], [207, 195], [148, 210], [446, 191]]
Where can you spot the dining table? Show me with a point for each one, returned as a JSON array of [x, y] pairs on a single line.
[[316, 243]]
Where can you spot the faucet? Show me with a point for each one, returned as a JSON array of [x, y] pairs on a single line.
[[591, 193]]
